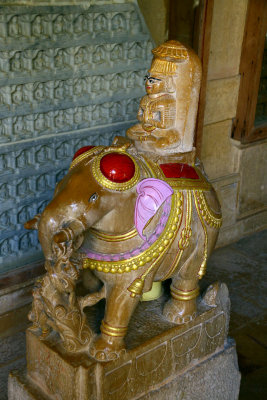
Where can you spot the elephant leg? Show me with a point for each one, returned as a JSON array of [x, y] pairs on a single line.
[[119, 309], [181, 308]]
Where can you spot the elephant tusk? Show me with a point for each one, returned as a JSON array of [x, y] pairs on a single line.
[[64, 235], [74, 229], [33, 223]]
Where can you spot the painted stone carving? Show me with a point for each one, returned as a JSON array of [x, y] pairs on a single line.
[[129, 220], [167, 113]]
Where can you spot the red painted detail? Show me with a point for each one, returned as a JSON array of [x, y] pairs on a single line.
[[81, 151], [178, 170], [117, 167]]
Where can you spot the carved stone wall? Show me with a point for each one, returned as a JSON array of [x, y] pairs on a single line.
[[69, 76]]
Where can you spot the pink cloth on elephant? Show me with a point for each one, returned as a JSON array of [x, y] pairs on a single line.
[[152, 193]]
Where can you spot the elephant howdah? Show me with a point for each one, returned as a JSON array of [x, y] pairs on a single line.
[[130, 222]]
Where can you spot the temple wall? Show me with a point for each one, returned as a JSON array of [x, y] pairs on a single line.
[[70, 75], [237, 171]]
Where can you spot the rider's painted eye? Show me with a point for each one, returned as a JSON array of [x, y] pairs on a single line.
[[151, 79], [93, 198]]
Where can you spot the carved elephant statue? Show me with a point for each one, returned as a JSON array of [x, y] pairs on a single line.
[[131, 222]]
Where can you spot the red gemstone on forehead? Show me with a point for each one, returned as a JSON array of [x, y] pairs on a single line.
[[117, 167]]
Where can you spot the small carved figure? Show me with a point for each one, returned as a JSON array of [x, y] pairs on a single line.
[[78, 116], [24, 214], [14, 29], [16, 62], [24, 22], [81, 56], [6, 248], [25, 242], [60, 59], [27, 92], [116, 53], [47, 24], [23, 188], [5, 129], [80, 24], [5, 95], [55, 306], [3, 26], [38, 62], [5, 220], [100, 23], [58, 25], [37, 28], [39, 123], [3, 162], [5, 63], [4, 192]]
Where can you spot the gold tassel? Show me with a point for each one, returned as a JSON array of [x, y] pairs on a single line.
[[202, 269]]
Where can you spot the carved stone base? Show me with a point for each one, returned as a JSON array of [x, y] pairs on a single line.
[[192, 361], [215, 378]]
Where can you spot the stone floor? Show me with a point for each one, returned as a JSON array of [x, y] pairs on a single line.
[[243, 267]]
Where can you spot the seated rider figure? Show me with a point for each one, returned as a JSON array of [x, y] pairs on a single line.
[[156, 114], [167, 113]]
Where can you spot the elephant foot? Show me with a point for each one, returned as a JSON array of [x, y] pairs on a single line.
[[180, 312], [109, 349]]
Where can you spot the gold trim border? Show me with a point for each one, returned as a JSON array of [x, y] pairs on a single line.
[[212, 219], [203, 266], [114, 238], [112, 331], [184, 295], [84, 155], [186, 233]]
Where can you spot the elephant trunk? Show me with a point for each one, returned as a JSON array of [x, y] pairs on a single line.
[[55, 232]]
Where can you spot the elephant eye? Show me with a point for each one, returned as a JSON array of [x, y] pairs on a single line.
[[93, 198]]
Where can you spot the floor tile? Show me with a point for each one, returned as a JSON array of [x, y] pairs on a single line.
[[254, 246], [254, 385]]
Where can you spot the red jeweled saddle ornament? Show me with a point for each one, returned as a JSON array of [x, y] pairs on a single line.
[[117, 167], [178, 170]]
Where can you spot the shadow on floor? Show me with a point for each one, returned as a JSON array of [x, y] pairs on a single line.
[[243, 267]]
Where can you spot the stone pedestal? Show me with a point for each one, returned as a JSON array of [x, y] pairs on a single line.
[[163, 360]]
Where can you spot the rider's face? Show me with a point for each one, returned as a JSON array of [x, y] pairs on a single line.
[[153, 85]]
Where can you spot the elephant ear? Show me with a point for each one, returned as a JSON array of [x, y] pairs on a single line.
[[151, 195]]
